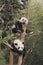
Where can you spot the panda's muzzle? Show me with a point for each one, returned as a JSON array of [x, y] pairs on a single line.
[[18, 47]]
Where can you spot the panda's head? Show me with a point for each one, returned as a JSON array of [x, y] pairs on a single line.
[[24, 20], [18, 45]]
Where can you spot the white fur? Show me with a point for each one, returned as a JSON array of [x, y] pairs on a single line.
[[17, 41], [24, 20]]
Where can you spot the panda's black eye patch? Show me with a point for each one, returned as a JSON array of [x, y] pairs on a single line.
[[23, 43], [16, 44]]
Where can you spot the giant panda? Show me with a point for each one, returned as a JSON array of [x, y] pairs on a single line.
[[18, 26], [18, 47]]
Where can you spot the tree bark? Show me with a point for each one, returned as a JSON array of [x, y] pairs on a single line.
[[28, 9], [11, 58], [22, 38]]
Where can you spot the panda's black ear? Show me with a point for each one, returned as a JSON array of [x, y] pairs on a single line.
[[16, 44]]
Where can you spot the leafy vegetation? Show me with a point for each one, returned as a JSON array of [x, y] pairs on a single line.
[[15, 10]]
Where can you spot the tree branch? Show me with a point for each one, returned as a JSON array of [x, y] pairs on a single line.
[[1, 8], [6, 43]]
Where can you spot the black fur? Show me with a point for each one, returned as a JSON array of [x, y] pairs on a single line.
[[16, 50], [18, 27], [19, 52]]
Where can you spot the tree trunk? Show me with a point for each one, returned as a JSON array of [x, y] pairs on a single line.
[[28, 9], [11, 58], [22, 38]]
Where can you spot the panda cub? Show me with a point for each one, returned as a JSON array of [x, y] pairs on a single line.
[[18, 26], [18, 47]]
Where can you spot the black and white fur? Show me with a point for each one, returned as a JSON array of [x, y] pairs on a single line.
[[24, 20], [18, 47], [18, 26]]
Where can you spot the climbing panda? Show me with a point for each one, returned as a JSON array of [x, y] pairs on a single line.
[[18, 26], [18, 47]]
